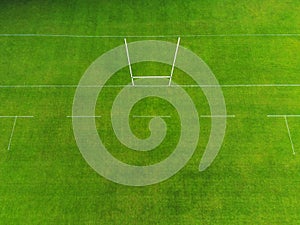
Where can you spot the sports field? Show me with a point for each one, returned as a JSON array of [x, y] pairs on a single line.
[[252, 48]]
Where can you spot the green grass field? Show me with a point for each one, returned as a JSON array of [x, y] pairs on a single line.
[[255, 178]]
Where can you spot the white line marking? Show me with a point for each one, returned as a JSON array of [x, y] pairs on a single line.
[[12, 133], [289, 132], [254, 85], [129, 63], [83, 116], [59, 86], [217, 116], [16, 116], [153, 36], [152, 86], [283, 116], [39, 86], [175, 56], [244, 85], [150, 77], [120, 86], [134, 116]]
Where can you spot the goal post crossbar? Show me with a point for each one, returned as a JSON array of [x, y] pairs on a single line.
[[150, 77]]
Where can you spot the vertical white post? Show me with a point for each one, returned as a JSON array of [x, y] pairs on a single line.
[[175, 56], [12, 133], [289, 133], [129, 64]]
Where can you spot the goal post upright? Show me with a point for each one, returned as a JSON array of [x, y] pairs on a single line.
[[173, 65], [129, 63]]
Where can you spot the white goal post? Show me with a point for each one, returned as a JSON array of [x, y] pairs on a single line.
[[151, 77], [129, 63], [174, 61]]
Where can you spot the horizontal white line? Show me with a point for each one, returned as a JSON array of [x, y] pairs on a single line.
[[83, 116], [16, 116], [39, 86], [118, 86], [241, 85], [150, 116], [152, 86], [252, 85], [150, 77], [221, 85], [217, 116], [60, 86], [285, 116], [154, 36]]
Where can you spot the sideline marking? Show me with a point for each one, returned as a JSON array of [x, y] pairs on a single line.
[[153, 36], [120, 86]]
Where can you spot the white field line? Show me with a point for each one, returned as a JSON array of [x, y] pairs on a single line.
[[150, 77], [129, 63], [148, 116], [16, 116], [287, 126], [174, 61], [252, 85], [289, 133], [12, 133], [283, 116], [120, 86], [83, 116], [217, 116], [13, 129], [154, 36]]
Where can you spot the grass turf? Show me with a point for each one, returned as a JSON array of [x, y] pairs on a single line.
[[255, 178]]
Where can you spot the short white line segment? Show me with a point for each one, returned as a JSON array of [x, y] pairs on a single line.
[[148, 116], [150, 77], [16, 116], [283, 116], [83, 116], [217, 116]]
